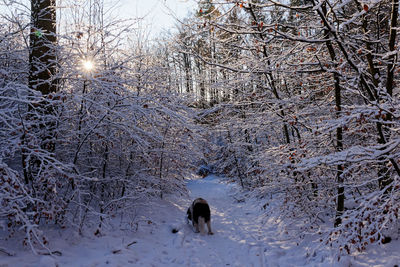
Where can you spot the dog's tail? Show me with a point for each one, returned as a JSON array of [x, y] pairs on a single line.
[[202, 223]]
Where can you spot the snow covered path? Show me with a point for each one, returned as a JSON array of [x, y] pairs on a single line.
[[240, 238], [236, 239], [243, 236]]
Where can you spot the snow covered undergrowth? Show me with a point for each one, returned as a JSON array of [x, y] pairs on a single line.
[[244, 235]]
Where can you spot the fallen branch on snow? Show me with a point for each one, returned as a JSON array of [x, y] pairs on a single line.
[[6, 252]]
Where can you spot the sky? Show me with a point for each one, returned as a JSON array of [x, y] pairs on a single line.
[[157, 14]]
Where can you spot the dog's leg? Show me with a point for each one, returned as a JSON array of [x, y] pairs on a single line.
[[196, 227], [202, 225], [209, 228]]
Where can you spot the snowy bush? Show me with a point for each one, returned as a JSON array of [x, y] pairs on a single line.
[[106, 140]]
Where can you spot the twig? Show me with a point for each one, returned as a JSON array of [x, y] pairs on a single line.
[[56, 252], [130, 244], [6, 252]]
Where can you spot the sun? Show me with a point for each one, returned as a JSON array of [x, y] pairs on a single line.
[[88, 65]]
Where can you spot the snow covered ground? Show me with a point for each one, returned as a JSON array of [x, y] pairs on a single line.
[[243, 236]]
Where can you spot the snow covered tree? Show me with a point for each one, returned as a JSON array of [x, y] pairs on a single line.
[[89, 128], [313, 108]]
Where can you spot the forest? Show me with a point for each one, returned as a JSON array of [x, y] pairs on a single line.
[[294, 100]]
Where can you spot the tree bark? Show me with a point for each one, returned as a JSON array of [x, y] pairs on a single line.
[[42, 77], [385, 179], [339, 129], [43, 38]]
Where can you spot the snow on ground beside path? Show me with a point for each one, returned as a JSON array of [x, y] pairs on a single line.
[[243, 236]]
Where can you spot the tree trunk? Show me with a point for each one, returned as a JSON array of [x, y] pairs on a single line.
[[42, 70], [339, 130], [385, 179], [42, 57], [270, 77]]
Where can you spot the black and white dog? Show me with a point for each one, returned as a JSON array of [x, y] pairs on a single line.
[[199, 213]]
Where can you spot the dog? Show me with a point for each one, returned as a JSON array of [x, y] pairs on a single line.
[[199, 213]]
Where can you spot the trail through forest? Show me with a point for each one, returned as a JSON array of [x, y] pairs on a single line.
[[244, 236], [238, 239], [241, 237]]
